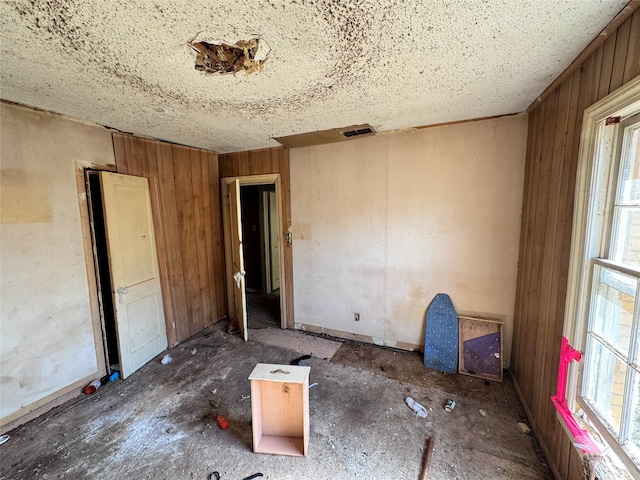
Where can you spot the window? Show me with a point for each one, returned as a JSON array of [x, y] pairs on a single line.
[[603, 299], [611, 374]]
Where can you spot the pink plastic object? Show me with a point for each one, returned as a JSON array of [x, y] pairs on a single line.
[[582, 439]]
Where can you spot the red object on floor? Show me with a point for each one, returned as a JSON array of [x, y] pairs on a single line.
[[223, 422]]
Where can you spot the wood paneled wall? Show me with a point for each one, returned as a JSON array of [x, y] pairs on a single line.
[[185, 197], [265, 161], [555, 126]]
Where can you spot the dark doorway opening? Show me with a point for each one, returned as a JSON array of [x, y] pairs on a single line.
[[103, 273], [260, 256]]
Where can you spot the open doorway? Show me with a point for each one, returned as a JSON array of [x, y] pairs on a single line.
[[261, 250], [253, 228], [103, 272]]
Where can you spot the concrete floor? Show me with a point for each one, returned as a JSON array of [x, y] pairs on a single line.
[[160, 422]]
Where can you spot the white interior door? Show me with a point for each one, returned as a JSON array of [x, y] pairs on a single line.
[[274, 242], [237, 259], [133, 260]]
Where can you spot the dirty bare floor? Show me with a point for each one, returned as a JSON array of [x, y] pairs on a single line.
[[263, 310], [160, 422]]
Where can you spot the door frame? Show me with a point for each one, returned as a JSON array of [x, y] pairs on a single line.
[[90, 258], [265, 200], [97, 292], [266, 240], [267, 179]]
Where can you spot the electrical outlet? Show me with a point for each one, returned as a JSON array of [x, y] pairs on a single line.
[[356, 317]]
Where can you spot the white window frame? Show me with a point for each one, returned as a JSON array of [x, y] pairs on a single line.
[[592, 216]]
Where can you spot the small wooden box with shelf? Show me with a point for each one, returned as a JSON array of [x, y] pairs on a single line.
[[280, 409]]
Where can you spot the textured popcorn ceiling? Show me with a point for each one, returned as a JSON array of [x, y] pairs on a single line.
[[393, 64]]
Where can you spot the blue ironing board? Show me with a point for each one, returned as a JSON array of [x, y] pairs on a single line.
[[441, 335]]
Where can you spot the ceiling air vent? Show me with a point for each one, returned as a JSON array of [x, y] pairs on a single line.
[[360, 131]]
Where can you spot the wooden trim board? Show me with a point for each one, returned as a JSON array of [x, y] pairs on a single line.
[[536, 430], [89, 258], [322, 137], [382, 342], [47, 403]]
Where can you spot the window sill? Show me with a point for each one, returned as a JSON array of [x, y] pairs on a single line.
[[607, 464]]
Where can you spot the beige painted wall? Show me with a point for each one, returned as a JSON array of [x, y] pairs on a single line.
[[382, 224], [47, 341]]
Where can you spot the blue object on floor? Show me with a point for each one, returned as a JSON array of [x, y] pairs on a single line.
[[441, 335]]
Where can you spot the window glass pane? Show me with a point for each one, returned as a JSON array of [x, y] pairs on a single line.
[[603, 385], [613, 305], [629, 191], [625, 247], [633, 439]]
